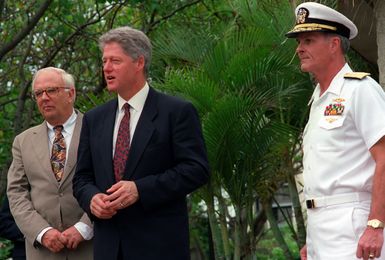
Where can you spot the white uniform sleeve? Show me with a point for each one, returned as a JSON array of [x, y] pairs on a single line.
[[369, 111]]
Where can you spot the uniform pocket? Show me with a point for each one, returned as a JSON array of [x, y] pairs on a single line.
[[331, 122], [359, 218]]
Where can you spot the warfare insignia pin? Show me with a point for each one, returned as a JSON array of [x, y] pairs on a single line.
[[331, 120], [339, 100]]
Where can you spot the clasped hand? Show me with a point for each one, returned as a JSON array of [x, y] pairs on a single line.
[[55, 240], [119, 196]]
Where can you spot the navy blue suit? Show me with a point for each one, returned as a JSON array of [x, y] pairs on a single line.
[[167, 161], [10, 231]]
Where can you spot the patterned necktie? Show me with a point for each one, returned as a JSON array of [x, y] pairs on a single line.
[[122, 145], [58, 157]]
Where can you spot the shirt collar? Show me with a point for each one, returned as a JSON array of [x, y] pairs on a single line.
[[338, 80], [70, 123], [335, 86], [137, 101]]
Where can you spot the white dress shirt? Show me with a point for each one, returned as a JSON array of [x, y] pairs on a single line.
[[136, 107]]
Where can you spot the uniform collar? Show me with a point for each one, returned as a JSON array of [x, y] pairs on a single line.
[[335, 86]]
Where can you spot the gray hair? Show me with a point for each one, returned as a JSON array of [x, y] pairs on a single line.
[[133, 42], [345, 43], [68, 79]]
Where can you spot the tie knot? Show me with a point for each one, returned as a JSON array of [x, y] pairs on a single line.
[[58, 129], [126, 108]]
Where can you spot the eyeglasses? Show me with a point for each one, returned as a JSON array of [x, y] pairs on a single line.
[[50, 92]]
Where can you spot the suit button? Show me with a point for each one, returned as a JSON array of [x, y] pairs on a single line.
[[61, 194]]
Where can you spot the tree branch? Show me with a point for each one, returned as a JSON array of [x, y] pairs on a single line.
[[78, 31], [153, 24], [2, 5], [25, 31]]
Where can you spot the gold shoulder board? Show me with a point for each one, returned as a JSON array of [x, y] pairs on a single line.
[[356, 75]]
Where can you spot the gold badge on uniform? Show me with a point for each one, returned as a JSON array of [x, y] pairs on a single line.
[[339, 100], [301, 15], [331, 119]]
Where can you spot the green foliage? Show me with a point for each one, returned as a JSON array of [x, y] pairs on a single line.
[[5, 248], [268, 248], [229, 58], [245, 87], [89, 100]]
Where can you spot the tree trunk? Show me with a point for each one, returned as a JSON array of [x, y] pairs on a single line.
[[276, 231], [224, 229], [300, 223], [380, 15], [237, 235], [215, 232]]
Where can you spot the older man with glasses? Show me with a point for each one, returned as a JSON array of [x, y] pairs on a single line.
[[40, 176]]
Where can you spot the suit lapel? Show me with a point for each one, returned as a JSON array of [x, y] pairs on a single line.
[[73, 148], [143, 133], [106, 138], [41, 146]]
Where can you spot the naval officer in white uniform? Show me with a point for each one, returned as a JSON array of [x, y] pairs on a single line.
[[344, 143]]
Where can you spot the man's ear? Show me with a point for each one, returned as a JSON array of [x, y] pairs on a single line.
[[71, 94], [140, 63], [335, 42]]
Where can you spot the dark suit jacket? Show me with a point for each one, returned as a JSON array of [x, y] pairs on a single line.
[[167, 161], [10, 231]]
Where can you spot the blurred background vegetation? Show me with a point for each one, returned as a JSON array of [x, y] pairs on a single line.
[[230, 59]]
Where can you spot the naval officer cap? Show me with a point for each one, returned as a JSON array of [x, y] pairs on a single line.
[[314, 17]]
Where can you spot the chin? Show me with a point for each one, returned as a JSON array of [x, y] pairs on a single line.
[[112, 88], [304, 68]]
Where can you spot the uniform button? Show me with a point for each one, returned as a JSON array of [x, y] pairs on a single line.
[[61, 194]]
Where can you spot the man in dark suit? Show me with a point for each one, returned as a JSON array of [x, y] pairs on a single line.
[[137, 162], [10, 231]]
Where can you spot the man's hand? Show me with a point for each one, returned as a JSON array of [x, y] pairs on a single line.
[[100, 206], [122, 194], [73, 237], [370, 243], [303, 253], [53, 240]]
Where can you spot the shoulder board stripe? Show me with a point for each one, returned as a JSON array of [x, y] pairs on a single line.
[[356, 75]]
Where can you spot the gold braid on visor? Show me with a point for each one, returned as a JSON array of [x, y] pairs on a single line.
[[312, 27]]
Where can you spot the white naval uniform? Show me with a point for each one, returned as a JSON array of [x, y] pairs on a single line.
[[344, 123]]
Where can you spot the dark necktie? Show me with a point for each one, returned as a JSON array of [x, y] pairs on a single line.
[[122, 145], [58, 157]]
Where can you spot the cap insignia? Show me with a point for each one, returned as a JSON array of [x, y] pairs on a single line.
[[302, 14]]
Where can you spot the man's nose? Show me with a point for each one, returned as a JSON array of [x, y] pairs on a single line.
[[44, 95], [107, 66], [299, 48]]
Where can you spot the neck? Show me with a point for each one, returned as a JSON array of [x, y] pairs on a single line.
[[61, 120], [131, 90], [325, 77]]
